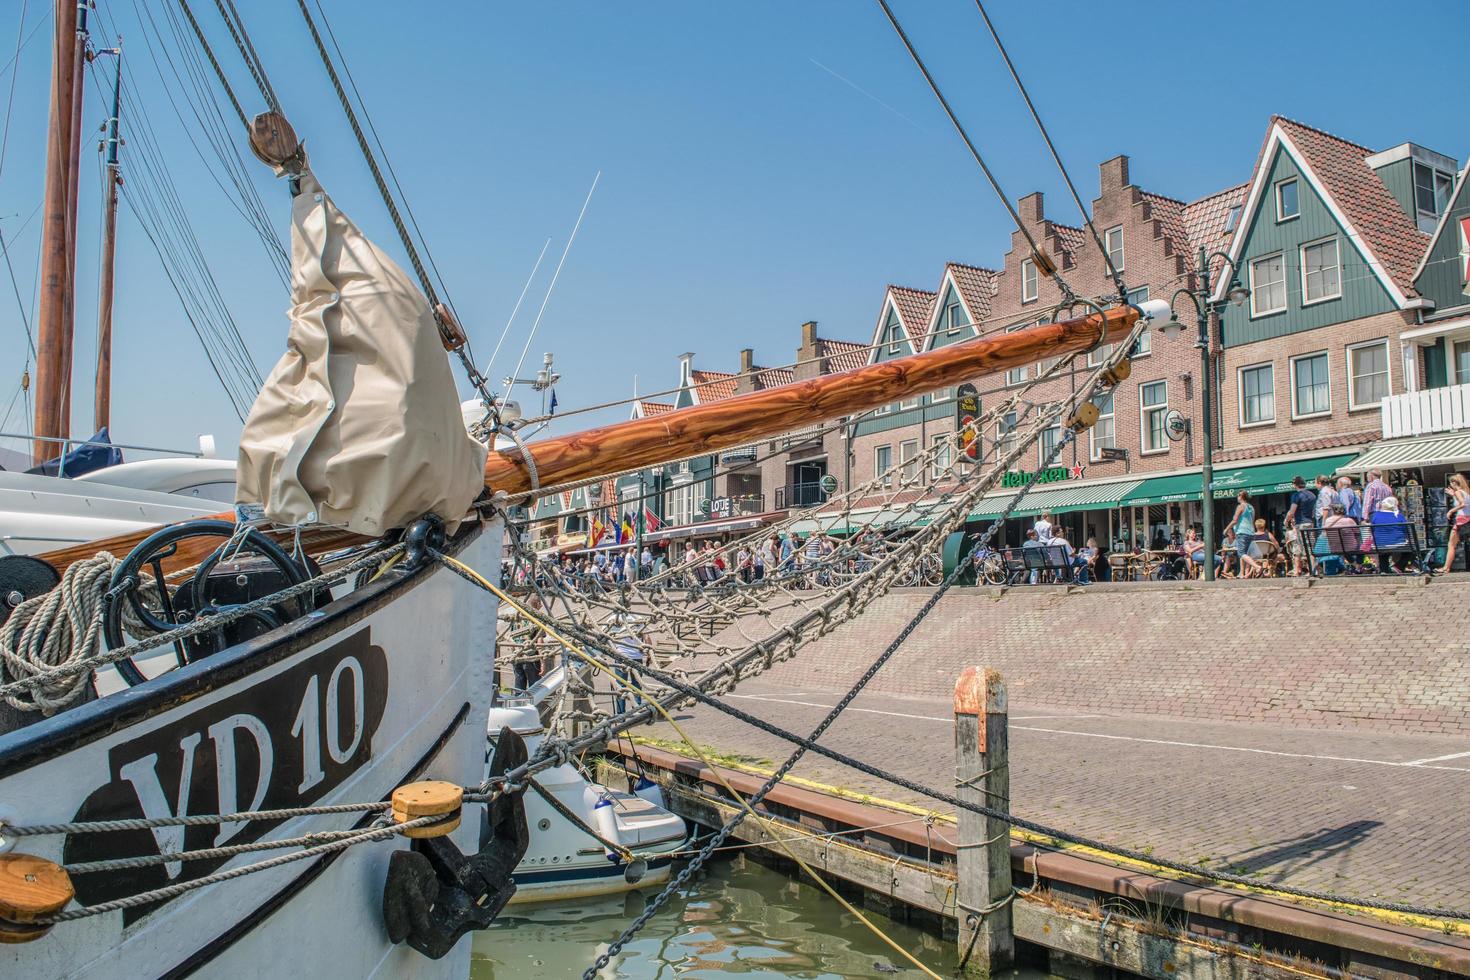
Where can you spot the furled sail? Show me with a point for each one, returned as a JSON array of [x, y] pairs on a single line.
[[359, 423]]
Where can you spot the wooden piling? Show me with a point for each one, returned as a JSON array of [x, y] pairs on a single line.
[[982, 775]]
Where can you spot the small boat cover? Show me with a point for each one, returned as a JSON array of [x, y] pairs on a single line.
[[359, 422]]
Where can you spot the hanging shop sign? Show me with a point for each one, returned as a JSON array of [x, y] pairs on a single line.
[[828, 484]]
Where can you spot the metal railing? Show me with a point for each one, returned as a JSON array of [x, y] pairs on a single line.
[[800, 495]]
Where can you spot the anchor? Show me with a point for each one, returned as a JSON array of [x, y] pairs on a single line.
[[434, 893]]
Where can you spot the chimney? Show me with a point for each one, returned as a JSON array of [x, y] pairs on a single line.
[[1113, 174], [746, 381], [686, 367], [806, 355], [1030, 209]]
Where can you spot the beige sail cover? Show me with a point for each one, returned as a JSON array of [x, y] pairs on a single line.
[[359, 423]]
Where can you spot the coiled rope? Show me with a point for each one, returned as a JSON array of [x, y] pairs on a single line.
[[59, 629]]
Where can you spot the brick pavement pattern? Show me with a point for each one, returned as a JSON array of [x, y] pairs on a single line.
[[1360, 653]]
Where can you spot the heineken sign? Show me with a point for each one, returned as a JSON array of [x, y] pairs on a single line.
[[1054, 474]]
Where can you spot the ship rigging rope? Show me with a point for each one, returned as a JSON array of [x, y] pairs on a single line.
[[1056, 275], [1113, 271]]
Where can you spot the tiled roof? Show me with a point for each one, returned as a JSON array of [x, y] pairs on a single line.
[[914, 308], [655, 408], [713, 386], [842, 355], [772, 377], [1204, 220], [977, 288], [1169, 213], [1070, 238], [1342, 167], [1299, 446]]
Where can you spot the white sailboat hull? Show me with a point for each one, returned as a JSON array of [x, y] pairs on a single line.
[[388, 685]]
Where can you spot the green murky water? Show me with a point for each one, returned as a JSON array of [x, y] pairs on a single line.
[[737, 917]]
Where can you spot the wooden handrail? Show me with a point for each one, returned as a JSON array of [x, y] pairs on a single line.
[[762, 414]]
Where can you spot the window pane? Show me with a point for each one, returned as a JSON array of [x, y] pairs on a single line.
[[1257, 395], [1114, 241], [1145, 344], [1311, 385], [1462, 362], [942, 456], [1103, 433], [907, 450], [1369, 369], [1268, 285], [1049, 439], [1286, 199], [1005, 433], [1018, 375], [1444, 185], [1028, 280], [1424, 189], [1319, 262], [882, 461]]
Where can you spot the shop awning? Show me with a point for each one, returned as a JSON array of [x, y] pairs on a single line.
[[1273, 477], [707, 527], [1398, 454], [831, 521], [1164, 490], [1082, 496]]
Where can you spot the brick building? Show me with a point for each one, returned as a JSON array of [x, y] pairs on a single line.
[[1355, 262]]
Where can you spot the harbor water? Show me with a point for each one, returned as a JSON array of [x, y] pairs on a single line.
[[735, 917]]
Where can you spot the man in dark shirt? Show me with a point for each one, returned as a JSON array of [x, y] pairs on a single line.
[[1300, 514]]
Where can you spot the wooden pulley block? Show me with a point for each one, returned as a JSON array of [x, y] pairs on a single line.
[[428, 798], [274, 143], [31, 888], [1044, 264], [1118, 372], [1084, 419], [451, 334]]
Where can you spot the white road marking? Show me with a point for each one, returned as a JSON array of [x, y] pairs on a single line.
[[1438, 758], [1418, 764]]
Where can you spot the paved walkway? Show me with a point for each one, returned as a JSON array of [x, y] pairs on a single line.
[[1367, 814]]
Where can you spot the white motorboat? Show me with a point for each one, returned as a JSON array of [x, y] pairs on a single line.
[[567, 813]]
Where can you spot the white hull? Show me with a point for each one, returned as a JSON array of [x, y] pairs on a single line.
[[420, 642], [41, 513]]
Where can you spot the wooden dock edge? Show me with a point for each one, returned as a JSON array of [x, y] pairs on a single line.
[[1086, 914]]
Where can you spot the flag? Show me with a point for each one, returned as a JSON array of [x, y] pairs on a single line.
[[598, 530], [650, 519], [627, 530], [553, 402]]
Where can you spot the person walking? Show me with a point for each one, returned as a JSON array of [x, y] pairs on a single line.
[[1326, 497], [1352, 503], [1043, 527], [1300, 516], [1458, 514], [1244, 523]]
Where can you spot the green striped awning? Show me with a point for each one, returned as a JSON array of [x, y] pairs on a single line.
[[1395, 454], [1165, 490], [1083, 496], [1273, 477]]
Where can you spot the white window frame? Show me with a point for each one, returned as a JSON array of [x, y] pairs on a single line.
[[1240, 394], [1092, 446], [952, 315], [1041, 447], [1029, 275], [1251, 271], [879, 468], [906, 404], [943, 457], [679, 504], [883, 410], [942, 395], [1353, 405], [1302, 271], [1018, 375], [1108, 246], [1454, 371], [1145, 338], [1294, 361], [1276, 194], [1434, 174], [908, 451], [1006, 434], [1143, 419]]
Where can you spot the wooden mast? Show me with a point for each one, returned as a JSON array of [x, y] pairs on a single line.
[[102, 396], [74, 193], [721, 425], [762, 414], [53, 323]]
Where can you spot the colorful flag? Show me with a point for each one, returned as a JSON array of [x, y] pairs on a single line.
[[627, 530], [598, 530], [553, 402], [650, 519]]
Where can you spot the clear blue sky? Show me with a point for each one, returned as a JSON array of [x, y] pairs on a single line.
[[745, 187]]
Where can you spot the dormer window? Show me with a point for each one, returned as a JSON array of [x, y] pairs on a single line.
[[1029, 285], [1288, 204], [1432, 190], [954, 317], [1232, 220]]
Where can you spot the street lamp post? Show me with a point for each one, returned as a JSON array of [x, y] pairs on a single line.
[[1202, 306]]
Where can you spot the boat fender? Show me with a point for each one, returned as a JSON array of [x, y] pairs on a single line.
[[434, 893], [606, 823], [650, 791], [635, 871]]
